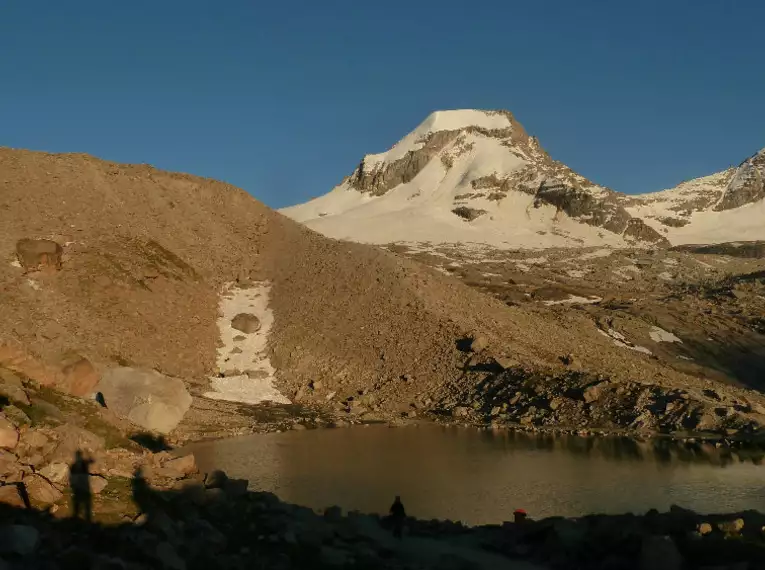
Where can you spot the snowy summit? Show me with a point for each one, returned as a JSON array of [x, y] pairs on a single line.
[[477, 176]]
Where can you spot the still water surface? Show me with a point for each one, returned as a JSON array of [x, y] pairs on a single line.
[[482, 476]]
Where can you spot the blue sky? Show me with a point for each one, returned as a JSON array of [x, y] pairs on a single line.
[[283, 98]]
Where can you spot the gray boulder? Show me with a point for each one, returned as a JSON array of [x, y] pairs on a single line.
[[147, 398]]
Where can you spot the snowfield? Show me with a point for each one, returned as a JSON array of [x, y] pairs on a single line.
[[242, 353], [421, 210]]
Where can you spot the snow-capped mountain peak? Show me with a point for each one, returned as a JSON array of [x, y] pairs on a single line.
[[477, 176]]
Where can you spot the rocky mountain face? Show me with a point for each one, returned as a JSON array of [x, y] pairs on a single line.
[[747, 185], [477, 176]]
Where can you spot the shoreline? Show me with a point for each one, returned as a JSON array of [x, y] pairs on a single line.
[[194, 520], [329, 420], [187, 520]]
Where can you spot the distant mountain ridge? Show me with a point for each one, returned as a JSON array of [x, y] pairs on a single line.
[[477, 176]]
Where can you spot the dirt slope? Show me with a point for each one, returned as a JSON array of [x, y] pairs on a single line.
[[146, 253]]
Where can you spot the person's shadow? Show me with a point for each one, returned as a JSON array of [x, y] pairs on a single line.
[[79, 483], [143, 495]]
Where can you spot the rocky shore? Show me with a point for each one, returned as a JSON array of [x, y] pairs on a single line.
[[187, 520], [154, 509]]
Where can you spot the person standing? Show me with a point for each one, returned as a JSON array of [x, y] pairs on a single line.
[[397, 517]]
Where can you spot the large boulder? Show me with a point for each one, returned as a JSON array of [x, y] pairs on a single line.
[[37, 254], [14, 357], [71, 373], [78, 377], [147, 398]]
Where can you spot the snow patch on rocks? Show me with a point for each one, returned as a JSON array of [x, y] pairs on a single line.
[[620, 340], [658, 334], [575, 299], [248, 375]]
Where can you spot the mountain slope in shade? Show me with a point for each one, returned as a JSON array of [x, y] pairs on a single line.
[[477, 176]]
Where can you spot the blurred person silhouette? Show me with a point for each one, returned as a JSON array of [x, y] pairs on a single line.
[[397, 517]]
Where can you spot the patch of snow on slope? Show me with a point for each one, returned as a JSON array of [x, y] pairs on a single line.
[[16, 263], [620, 340], [658, 334], [575, 299], [258, 385]]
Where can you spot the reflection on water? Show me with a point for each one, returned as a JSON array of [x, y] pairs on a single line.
[[482, 476]]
